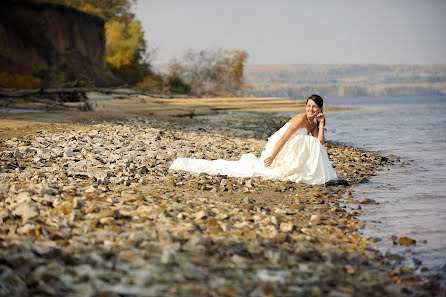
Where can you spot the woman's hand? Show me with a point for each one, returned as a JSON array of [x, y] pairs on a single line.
[[319, 132], [268, 161], [320, 118]]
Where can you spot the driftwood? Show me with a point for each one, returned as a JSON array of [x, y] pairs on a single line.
[[39, 92], [56, 99]]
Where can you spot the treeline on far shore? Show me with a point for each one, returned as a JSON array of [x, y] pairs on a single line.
[[350, 80]]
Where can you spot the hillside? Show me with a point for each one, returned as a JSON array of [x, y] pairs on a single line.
[[347, 80]]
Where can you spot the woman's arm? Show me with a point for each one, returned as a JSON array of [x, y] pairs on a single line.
[[318, 131], [288, 133]]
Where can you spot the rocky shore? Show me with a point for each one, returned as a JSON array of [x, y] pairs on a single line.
[[92, 210]]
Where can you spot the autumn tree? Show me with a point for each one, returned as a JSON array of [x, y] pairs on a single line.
[[126, 50], [106, 9]]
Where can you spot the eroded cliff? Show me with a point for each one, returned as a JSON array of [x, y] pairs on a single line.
[[53, 42]]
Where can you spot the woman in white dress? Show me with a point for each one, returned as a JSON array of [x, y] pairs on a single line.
[[290, 154]]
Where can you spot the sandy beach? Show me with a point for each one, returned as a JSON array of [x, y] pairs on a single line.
[[89, 207]]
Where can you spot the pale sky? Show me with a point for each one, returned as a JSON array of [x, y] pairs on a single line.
[[299, 31]]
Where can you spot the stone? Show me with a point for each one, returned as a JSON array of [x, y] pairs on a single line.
[[44, 189], [200, 215], [46, 200], [222, 216], [266, 221], [349, 269], [197, 240], [168, 256], [69, 153], [368, 201], [286, 227], [236, 259], [315, 219], [99, 175], [406, 241], [26, 211], [4, 213], [25, 229], [90, 189], [21, 198], [273, 276], [225, 227], [106, 220], [165, 237], [18, 154], [77, 203], [274, 220]]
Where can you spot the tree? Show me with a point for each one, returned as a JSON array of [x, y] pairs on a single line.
[[124, 43], [211, 71], [106, 9]]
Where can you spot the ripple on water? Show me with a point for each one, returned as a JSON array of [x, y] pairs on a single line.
[[411, 194]]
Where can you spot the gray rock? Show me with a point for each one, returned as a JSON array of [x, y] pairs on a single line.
[[18, 154], [77, 203], [274, 276], [168, 256], [69, 153]]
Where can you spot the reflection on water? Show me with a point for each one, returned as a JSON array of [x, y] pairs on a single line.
[[17, 110], [412, 194]]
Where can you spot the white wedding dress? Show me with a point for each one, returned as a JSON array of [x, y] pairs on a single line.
[[301, 159]]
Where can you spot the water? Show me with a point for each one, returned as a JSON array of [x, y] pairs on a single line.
[[17, 110], [412, 194]]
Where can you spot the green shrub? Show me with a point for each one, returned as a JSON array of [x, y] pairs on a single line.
[[176, 84], [152, 83]]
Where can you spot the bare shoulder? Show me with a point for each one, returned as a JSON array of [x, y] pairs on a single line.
[[298, 120]]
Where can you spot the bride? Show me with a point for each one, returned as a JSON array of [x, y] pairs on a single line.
[[290, 154]]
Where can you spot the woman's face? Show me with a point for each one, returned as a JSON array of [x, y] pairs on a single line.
[[312, 109]]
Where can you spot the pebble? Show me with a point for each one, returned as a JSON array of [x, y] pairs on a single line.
[[69, 153], [315, 219], [26, 211], [200, 215], [286, 227], [406, 241]]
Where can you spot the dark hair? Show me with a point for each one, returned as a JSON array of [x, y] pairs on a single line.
[[319, 102], [317, 99]]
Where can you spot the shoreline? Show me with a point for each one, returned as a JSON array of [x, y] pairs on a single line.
[[107, 107], [186, 233]]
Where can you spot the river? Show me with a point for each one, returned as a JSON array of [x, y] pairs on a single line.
[[411, 195]]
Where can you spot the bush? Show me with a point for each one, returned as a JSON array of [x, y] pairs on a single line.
[[176, 84], [18, 81], [152, 83], [131, 74]]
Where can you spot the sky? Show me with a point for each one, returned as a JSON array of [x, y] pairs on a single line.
[[299, 31]]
